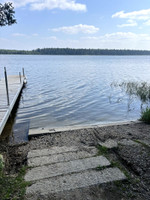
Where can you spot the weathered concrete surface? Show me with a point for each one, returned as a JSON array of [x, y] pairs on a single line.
[[61, 169], [57, 169], [43, 131], [51, 151], [110, 144], [61, 157], [46, 187]]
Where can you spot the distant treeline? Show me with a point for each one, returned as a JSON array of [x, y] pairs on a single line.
[[69, 51]]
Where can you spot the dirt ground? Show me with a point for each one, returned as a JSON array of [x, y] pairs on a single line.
[[132, 156]]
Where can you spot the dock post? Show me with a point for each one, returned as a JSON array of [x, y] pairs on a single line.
[[20, 76], [6, 82], [23, 72]]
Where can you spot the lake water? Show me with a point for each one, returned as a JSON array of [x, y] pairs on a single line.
[[75, 90]]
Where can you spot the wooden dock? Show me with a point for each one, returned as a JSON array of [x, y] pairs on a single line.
[[15, 85]]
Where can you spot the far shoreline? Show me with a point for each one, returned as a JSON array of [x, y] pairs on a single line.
[[77, 52]]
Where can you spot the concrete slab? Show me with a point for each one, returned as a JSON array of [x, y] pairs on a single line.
[[57, 169], [43, 131], [40, 131], [51, 151], [110, 144], [63, 157], [44, 188]]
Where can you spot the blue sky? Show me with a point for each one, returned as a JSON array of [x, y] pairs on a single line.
[[112, 24]]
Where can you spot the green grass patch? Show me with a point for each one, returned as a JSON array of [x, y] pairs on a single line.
[[118, 165], [142, 143], [13, 188], [1, 163], [99, 168], [145, 116], [102, 150], [130, 180]]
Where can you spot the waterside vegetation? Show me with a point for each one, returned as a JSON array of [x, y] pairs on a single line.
[[139, 90], [12, 187], [145, 116]]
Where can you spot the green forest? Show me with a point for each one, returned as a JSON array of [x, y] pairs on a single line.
[[69, 51]]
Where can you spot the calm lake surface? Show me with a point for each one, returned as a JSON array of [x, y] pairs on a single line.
[[75, 90]]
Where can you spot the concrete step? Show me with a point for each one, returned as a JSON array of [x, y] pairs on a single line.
[[43, 189], [51, 151], [110, 144], [57, 169], [62, 157]]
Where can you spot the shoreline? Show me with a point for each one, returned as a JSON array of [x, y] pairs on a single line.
[[45, 131]]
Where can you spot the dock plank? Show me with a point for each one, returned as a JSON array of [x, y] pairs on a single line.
[[14, 87]]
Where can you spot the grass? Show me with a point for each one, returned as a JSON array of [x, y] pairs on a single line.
[[145, 116], [102, 150], [1, 164], [13, 188], [142, 143], [129, 183], [138, 89], [118, 165], [99, 168]]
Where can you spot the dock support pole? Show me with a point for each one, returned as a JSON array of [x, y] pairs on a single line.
[[23, 72], [6, 82], [20, 76]]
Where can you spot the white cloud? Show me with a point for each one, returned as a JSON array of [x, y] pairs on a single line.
[[35, 34], [147, 23], [136, 15], [115, 40], [19, 35], [25, 35], [4, 40], [53, 38], [117, 36], [50, 4], [120, 36], [50, 38], [130, 23], [127, 36], [133, 17], [80, 28], [118, 40]]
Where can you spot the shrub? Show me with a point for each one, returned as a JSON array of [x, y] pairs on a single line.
[[145, 116], [13, 187]]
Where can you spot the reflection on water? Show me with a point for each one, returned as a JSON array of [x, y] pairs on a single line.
[[15, 133], [8, 130], [75, 90]]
